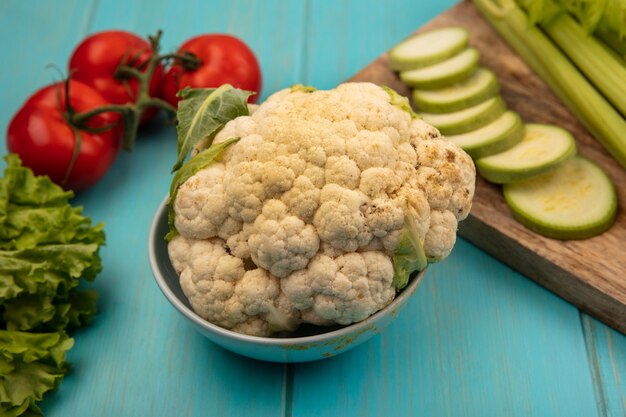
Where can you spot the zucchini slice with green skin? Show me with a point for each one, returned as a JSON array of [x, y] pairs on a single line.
[[466, 120], [428, 48], [542, 149], [478, 87], [577, 200], [501, 134], [444, 73]]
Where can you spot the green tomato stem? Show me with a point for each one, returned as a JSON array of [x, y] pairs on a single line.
[[131, 112], [188, 60]]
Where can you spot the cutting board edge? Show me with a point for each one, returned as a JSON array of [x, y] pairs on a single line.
[[598, 303]]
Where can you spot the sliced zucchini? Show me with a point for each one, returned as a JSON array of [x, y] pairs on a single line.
[[577, 200], [542, 148], [428, 48], [466, 120], [481, 85], [501, 134], [444, 73]]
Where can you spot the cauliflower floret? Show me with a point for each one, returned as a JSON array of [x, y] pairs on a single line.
[[447, 175], [238, 243], [303, 199], [276, 178], [300, 219], [384, 216], [246, 194], [221, 291], [344, 290], [343, 171], [281, 243], [240, 127], [419, 131], [371, 149], [208, 276], [379, 182], [439, 238], [339, 220], [201, 205]]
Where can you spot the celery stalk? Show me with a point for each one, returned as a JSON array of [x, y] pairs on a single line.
[[558, 72], [587, 12], [606, 71], [612, 40]]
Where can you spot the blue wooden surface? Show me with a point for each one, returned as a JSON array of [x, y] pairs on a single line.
[[478, 339]]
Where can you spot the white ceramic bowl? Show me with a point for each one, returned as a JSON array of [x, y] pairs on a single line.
[[311, 343]]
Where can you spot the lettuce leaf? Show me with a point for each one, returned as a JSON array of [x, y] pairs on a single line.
[[47, 248], [31, 364], [44, 313]]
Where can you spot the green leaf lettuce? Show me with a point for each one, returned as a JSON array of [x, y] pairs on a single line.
[[47, 248]]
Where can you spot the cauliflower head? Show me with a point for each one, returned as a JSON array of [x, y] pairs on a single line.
[[311, 216]]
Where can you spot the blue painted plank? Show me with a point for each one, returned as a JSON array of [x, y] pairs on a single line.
[[34, 37], [478, 339], [344, 38], [607, 362], [139, 357], [273, 29]]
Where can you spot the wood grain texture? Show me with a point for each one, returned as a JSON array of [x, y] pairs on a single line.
[[478, 339], [607, 362], [139, 358], [33, 41], [589, 273]]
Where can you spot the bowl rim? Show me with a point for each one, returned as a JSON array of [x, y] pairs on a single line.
[[158, 217]]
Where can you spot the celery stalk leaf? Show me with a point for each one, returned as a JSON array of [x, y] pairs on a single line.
[[541, 11], [408, 256], [614, 18], [587, 12], [582, 98], [203, 112]]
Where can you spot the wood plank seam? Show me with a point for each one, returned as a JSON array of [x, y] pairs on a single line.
[[288, 388], [304, 52], [91, 16], [594, 364]]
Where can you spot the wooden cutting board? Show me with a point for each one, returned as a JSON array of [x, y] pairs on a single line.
[[589, 273]]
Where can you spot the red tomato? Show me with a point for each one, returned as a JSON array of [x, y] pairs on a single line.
[[224, 60], [39, 134], [97, 57]]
